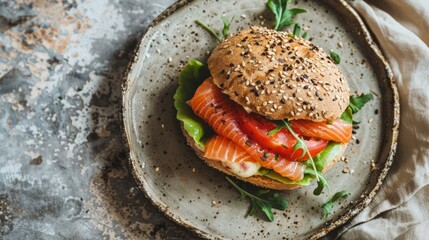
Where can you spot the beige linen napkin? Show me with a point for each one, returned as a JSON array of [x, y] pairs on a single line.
[[400, 210]]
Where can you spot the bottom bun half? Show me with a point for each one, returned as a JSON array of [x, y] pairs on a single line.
[[257, 180]]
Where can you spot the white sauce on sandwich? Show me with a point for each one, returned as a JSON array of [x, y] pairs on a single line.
[[242, 169]]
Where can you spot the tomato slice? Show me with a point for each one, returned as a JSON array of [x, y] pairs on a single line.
[[282, 142]]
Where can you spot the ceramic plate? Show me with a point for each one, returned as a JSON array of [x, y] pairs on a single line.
[[197, 196]]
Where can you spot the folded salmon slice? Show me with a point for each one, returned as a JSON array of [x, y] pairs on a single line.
[[218, 111], [223, 149], [337, 130]]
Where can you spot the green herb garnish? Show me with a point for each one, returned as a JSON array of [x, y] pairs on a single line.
[[282, 14], [304, 35], [356, 104], [225, 30], [262, 201], [327, 207], [209, 29], [300, 144], [335, 57], [297, 29], [275, 130], [226, 24]]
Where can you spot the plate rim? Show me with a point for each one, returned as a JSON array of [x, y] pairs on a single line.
[[328, 226]]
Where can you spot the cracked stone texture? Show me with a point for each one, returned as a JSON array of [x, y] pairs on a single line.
[[63, 167]]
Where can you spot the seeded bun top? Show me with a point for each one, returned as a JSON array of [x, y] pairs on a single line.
[[278, 75]]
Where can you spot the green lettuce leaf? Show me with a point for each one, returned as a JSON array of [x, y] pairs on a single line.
[[192, 75], [332, 150]]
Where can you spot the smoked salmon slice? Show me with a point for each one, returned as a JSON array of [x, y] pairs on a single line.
[[222, 149], [218, 111], [337, 130]]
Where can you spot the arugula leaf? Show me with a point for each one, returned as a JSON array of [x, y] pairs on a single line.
[[327, 207], [297, 29], [226, 24], [300, 144], [335, 57], [304, 35], [275, 130], [321, 183], [225, 30], [209, 29], [278, 202], [190, 78], [258, 201], [347, 115], [357, 102], [282, 14]]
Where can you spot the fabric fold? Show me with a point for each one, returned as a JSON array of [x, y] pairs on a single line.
[[399, 210]]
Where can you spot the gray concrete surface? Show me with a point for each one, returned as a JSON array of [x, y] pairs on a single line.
[[63, 168]]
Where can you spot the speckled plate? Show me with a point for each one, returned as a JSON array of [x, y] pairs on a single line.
[[198, 197]]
